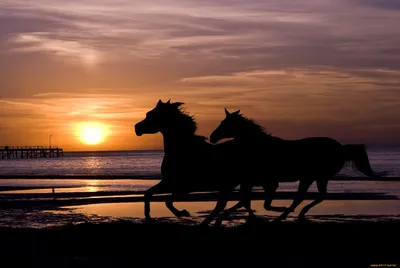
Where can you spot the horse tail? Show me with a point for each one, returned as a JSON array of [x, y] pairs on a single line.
[[356, 155]]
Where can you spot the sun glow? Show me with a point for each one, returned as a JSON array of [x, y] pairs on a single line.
[[92, 133]]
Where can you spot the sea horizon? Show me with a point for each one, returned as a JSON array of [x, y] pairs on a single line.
[[368, 145]]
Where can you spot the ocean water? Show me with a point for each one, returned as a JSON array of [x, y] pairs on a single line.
[[139, 170], [136, 164], [90, 172], [142, 164]]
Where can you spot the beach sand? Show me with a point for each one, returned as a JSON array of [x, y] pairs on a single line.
[[42, 210], [103, 230], [166, 244]]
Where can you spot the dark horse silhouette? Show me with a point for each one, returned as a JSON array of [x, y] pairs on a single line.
[[305, 160], [190, 163]]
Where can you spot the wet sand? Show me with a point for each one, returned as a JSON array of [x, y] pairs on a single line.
[[339, 211], [339, 233], [330, 210], [38, 200], [42, 208], [150, 177]]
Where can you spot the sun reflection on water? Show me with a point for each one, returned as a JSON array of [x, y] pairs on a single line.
[[93, 186], [92, 163]]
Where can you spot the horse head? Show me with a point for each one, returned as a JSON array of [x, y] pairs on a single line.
[[159, 118], [228, 127]]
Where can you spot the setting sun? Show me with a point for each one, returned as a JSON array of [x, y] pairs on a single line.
[[92, 133]]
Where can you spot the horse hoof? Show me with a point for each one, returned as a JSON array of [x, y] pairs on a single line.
[[149, 220], [277, 220], [302, 218], [218, 223], [282, 209], [184, 213], [253, 220], [204, 224]]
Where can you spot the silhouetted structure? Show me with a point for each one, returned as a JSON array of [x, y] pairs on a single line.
[[277, 160], [15, 152]]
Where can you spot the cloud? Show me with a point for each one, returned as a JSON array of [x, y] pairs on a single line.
[[31, 119], [304, 95], [113, 108], [339, 32], [71, 50], [289, 64]]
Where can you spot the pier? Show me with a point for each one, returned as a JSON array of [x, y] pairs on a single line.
[[24, 152]]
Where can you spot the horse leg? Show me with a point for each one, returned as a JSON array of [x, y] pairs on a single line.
[[301, 192], [221, 204], [240, 204], [246, 196], [224, 215], [244, 201], [160, 188], [322, 189], [147, 197], [170, 205], [270, 190]]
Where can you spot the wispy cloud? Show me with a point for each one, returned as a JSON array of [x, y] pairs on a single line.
[[203, 29], [313, 95], [321, 65], [70, 50]]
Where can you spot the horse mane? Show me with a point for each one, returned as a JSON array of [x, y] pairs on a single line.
[[188, 123], [252, 127]]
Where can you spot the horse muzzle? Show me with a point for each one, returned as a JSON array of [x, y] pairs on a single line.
[[138, 131]]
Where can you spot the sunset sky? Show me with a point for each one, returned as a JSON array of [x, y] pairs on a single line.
[[299, 68]]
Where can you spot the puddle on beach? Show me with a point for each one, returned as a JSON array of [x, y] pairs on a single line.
[[158, 209], [336, 211]]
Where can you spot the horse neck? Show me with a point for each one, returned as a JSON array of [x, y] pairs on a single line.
[[253, 136], [175, 139]]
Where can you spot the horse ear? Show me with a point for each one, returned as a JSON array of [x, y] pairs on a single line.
[[227, 113], [159, 103], [169, 101], [236, 113], [177, 104]]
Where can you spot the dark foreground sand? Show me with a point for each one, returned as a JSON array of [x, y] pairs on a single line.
[[173, 244], [161, 244]]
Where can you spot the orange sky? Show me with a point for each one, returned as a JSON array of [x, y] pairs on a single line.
[[330, 68]]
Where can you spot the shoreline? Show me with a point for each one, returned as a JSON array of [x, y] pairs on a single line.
[[82, 177], [87, 198], [4, 189], [156, 177]]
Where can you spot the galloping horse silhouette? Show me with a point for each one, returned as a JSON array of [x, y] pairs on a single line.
[[190, 164], [305, 160]]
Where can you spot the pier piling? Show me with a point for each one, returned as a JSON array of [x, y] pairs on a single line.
[[22, 152]]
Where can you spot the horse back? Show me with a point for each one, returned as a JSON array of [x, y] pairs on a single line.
[[313, 155]]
